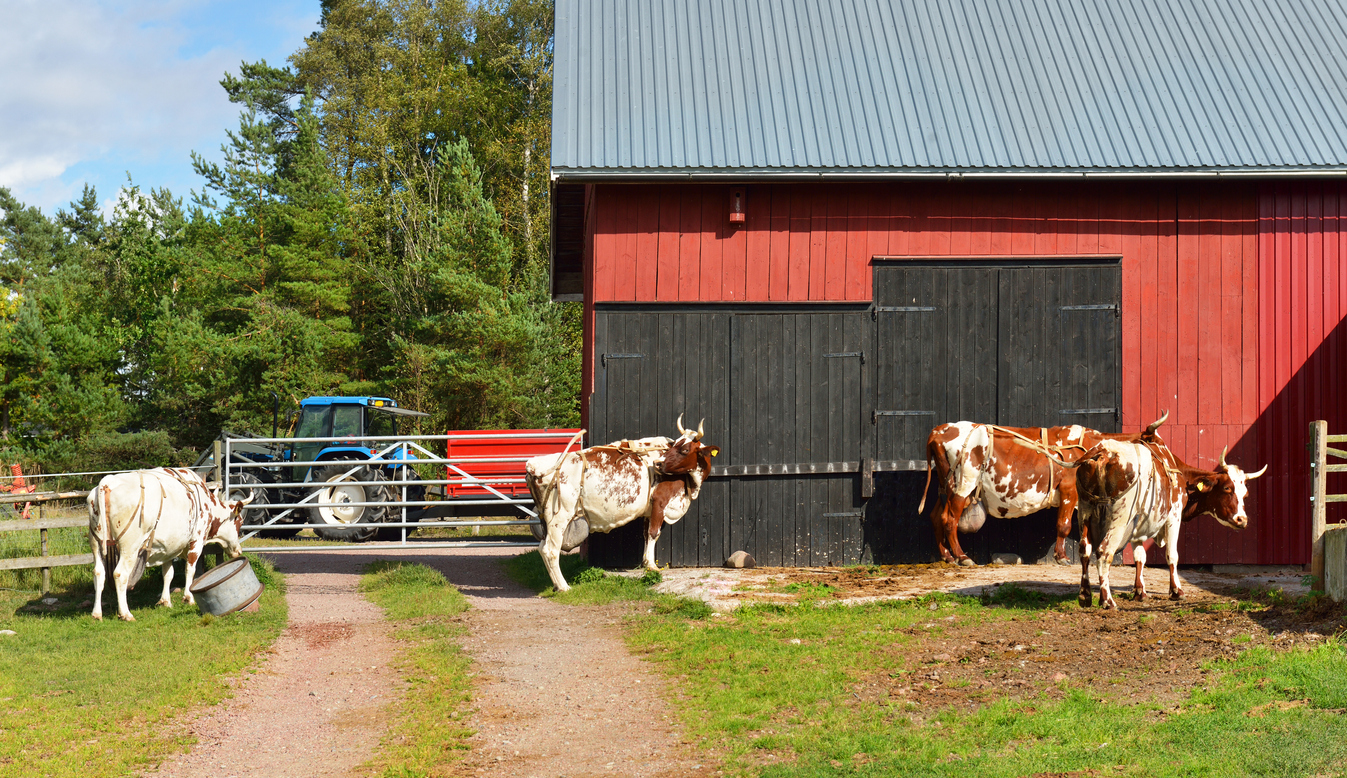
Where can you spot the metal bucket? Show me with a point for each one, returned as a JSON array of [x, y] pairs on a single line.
[[227, 588]]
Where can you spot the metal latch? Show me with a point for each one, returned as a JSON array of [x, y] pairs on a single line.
[[604, 359]]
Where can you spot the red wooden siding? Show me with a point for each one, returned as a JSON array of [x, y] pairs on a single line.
[[1233, 294]]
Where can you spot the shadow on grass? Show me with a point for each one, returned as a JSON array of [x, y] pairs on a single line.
[[1013, 595], [75, 600]]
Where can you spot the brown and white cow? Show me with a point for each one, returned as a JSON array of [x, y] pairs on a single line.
[[605, 487], [1005, 472], [1134, 491], [152, 517]]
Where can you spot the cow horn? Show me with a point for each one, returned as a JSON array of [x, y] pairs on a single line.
[[700, 424], [1155, 425], [1224, 451], [1251, 476], [681, 432], [252, 495]]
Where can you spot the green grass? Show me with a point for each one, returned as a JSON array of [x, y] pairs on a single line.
[[773, 689], [84, 698], [426, 736]]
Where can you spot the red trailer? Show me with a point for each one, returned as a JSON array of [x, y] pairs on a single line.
[[489, 464]]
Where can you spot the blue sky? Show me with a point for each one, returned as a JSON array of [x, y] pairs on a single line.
[[90, 91]]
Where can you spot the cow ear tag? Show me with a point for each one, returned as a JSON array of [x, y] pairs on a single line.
[[715, 451], [1201, 486]]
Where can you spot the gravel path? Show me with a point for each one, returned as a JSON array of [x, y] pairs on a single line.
[[316, 707], [558, 692]]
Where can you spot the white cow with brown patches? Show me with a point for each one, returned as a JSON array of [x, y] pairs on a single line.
[[1135, 491], [602, 488], [152, 517]]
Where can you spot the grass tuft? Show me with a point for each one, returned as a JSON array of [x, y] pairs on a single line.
[[425, 737]]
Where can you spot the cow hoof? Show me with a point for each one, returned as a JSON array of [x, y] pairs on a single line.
[[165, 603], [98, 617], [1085, 600], [127, 617], [1061, 560], [1176, 595], [966, 562], [1138, 596]]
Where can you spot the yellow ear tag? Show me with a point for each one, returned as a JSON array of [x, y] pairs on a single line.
[[715, 451], [1201, 487]]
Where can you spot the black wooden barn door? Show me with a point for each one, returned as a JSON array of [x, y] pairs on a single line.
[[1002, 343], [797, 429], [650, 367]]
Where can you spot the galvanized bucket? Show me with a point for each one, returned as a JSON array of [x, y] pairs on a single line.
[[228, 588]]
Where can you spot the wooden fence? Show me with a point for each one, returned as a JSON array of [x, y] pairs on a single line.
[[45, 562], [1328, 554]]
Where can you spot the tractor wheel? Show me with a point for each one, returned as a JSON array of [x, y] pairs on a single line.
[[415, 493], [247, 484], [355, 523]]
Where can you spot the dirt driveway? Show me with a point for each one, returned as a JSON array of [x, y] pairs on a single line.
[[559, 695]]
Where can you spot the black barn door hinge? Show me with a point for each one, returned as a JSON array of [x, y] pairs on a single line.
[[604, 359], [1117, 311], [874, 415], [846, 354]]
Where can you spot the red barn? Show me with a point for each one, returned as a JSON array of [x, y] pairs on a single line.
[[826, 227]]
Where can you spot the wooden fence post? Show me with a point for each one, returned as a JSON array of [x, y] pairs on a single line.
[[1318, 504], [46, 571]]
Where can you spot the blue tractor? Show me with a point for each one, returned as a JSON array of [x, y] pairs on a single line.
[[353, 419]]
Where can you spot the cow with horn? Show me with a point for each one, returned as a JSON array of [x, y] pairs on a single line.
[[152, 517], [601, 488], [1136, 490], [1005, 472]]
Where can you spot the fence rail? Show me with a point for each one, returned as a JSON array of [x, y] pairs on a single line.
[[45, 562]]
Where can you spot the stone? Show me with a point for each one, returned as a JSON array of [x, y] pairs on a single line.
[[7, 632], [740, 560], [1005, 559], [49, 600]]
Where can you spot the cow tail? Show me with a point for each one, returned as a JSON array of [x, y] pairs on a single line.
[[111, 551], [922, 505]]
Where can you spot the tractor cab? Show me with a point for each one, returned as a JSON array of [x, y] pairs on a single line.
[[351, 418]]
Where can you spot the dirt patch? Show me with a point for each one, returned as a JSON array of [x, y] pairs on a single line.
[[1142, 651], [1146, 650], [319, 635]]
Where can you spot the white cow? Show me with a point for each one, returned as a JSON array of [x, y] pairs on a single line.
[[152, 517], [605, 487], [1138, 490]]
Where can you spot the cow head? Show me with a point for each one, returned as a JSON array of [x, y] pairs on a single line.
[[1221, 494], [688, 454], [226, 520]]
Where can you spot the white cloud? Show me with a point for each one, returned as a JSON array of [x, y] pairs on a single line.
[[85, 83]]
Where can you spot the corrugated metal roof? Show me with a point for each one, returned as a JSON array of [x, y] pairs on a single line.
[[807, 87]]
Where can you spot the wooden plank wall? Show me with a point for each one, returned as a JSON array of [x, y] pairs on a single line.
[[1302, 291], [1201, 261]]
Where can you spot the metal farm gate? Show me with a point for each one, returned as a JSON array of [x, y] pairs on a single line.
[[808, 402]]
